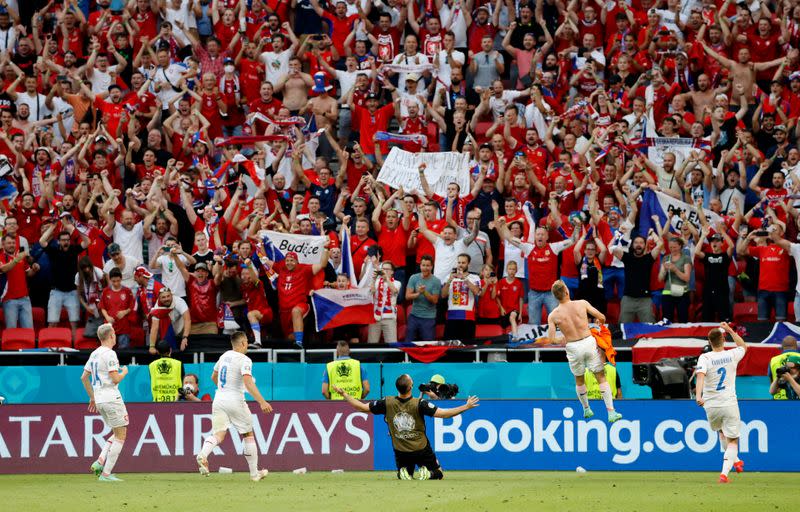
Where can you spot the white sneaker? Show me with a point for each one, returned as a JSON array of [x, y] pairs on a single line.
[[258, 476], [202, 465]]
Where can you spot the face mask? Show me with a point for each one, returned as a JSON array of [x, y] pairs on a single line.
[[230, 69]]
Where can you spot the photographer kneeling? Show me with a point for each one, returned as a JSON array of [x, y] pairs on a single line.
[[405, 417], [786, 379]]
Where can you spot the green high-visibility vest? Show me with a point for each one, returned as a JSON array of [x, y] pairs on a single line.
[[165, 379], [775, 363], [345, 374], [593, 387]]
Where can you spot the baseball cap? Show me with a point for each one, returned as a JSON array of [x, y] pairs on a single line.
[[716, 237], [201, 266], [780, 128], [793, 359], [412, 76], [115, 249], [486, 145], [372, 96], [141, 271], [228, 60], [438, 379], [292, 254]]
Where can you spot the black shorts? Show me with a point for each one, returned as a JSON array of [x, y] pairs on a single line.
[[411, 460]]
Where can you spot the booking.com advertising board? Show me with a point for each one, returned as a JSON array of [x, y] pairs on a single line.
[[497, 435]]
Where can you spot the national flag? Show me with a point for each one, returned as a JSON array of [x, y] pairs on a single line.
[[334, 308], [666, 330], [426, 351], [659, 203], [417, 138], [165, 329], [755, 362], [346, 266], [781, 330]]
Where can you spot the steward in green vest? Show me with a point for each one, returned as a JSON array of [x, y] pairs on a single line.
[[612, 377], [344, 373], [789, 347], [405, 417], [166, 374]]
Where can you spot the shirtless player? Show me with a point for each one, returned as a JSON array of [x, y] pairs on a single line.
[[572, 318]]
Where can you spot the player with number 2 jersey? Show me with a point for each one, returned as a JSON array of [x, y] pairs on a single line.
[[716, 392]]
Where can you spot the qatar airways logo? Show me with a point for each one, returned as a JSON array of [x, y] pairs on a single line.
[[182, 434], [625, 438]]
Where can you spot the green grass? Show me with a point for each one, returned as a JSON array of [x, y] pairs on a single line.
[[381, 492]]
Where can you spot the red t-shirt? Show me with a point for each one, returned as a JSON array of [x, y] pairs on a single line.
[[269, 109], [30, 221], [773, 268], [370, 123], [487, 306], [112, 112], [543, 265], [251, 75], [394, 243], [459, 209], [358, 249], [293, 286], [256, 298], [16, 280], [510, 294], [340, 29], [202, 300], [114, 301], [424, 246]]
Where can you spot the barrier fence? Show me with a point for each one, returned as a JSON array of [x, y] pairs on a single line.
[[321, 436]]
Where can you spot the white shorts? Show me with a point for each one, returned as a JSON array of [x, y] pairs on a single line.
[[583, 354], [115, 414], [225, 414], [726, 419]]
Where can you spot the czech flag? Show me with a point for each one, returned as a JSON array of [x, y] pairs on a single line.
[[666, 330], [334, 308], [346, 267]]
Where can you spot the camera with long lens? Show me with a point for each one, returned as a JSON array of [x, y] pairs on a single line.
[[443, 391], [781, 371], [188, 389]]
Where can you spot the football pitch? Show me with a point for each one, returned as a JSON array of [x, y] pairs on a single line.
[[381, 492]]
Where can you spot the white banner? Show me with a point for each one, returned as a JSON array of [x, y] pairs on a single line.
[[531, 332], [680, 147], [307, 247], [401, 168]]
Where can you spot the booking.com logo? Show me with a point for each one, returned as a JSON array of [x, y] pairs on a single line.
[[568, 435]]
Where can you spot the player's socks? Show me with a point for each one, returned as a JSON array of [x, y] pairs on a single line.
[[608, 399], [298, 338], [730, 457], [251, 455], [256, 327], [582, 396], [208, 446], [104, 452], [113, 454], [724, 441]]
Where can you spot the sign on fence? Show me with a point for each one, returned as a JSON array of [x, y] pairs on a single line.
[[401, 169]]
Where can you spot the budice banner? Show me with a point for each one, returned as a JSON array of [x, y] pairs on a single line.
[[659, 203], [654, 435], [166, 437], [531, 332], [401, 169], [308, 247]]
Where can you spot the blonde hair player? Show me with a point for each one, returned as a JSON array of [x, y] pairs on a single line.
[[100, 378], [571, 317], [233, 375], [715, 391]]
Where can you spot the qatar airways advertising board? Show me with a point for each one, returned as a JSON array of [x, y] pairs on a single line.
[[66, 438]]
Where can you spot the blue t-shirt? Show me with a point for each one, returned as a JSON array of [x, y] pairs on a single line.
[[423, 308]]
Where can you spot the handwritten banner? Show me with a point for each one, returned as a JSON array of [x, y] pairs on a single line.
[[401, 169]]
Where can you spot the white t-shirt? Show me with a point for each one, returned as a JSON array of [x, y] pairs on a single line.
[[794, 250], [170, 78], [446, 257], [102, 79], [418, 59], [719, 387], [170, 274], [513, 253], [8, 39], [461, 299], [446, 66], [499, 105], [176, 312], [347, 80], [276, 65], [130, 241], [35, 104], [101, 362], [231, 369], [127, 273]]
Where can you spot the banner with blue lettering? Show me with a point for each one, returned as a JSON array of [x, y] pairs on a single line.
[[654, 435]]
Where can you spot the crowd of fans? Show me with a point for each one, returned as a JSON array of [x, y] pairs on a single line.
[[145, 147]]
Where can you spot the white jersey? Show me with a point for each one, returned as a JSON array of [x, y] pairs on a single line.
[[719, 387], [231, 369], [101, 363]]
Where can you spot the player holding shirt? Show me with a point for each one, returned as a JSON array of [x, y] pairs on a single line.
[[100, 378], [295, 281], [233, 375], [572, 319], [715, 392]]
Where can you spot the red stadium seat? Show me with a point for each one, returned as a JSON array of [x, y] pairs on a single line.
[[401, 316], [745, 312], [39, 318], [83, 343], [612, 312], [55, 337], [439, 331], [488, 331], [18, 338]]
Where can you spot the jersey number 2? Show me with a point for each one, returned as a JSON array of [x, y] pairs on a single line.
[[223, 376], [722, 372]]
